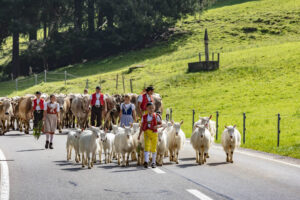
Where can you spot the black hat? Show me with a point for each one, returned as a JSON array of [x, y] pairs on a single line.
[[150, 88], [37, 92], [98, 88], [149, 104]]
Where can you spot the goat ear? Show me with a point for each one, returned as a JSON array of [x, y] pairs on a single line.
[[172, 121], [181, 122], [210, 116], [123, 126], [225, 126], [131, 125], [234, 126]]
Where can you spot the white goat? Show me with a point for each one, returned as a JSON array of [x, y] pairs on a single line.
[[231, 138], [201, 141], [161, 145], [135, 131], [211, 125], [124, 145], [175, 141], [107, 142], [88, 145], [73, 142]]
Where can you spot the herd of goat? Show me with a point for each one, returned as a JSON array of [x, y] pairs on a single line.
[[122, 143], [116, 142]]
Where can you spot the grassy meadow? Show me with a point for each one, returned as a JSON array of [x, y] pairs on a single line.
[[259, 73]]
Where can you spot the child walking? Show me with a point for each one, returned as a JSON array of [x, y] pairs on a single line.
[[127, 112], [150, 123], [51, 118]]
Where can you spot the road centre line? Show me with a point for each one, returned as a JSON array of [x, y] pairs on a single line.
[[198, 194]]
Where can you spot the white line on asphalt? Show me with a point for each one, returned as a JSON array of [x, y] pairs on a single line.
[[199, 194], [159, 171], [263, 157], [4, 187]]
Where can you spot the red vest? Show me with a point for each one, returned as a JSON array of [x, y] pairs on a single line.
[[94, 99], [49, 110], [145, 101], [152, 123], [41, 104]]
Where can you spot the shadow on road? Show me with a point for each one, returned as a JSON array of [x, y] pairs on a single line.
[[217, 164], [187, 159], [29, 150], [186, 165]]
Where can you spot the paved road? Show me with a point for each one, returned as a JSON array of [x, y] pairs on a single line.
[[36, 173]]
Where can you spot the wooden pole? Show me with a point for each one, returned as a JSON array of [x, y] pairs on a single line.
[[131, 89], [199, 57], [117, 76], [123, 80]]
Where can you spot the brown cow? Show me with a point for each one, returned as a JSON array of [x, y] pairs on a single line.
[[24, 112], [6, 111], [60, 98], [78, 108]]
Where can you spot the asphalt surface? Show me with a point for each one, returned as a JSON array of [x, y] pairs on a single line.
[[36, 173]]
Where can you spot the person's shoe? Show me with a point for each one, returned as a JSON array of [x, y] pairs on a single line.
[[47, 145], [51, 147], [153, 165], [145, 164]]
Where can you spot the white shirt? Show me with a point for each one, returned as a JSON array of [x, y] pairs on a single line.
[[37, 104], [98, 103], [140, 98], [149, 118], [52, 106], [127, 106]]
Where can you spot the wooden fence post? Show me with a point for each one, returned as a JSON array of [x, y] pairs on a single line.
[[87, 84], [131, 89], [171, 111], [65, 77], [117, 77], [35, 79], [123, 80], [45, 71], [199, 57], [17, 84]]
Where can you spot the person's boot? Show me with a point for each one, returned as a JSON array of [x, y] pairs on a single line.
[[145, 165], [51, 147], [47, 145]]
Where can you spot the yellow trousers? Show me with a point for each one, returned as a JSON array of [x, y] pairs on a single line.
[[150, 139]]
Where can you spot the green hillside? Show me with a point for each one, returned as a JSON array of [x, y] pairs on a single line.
[[259, 42]]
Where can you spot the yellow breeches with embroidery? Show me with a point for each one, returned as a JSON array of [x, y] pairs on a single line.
[[150, 138]]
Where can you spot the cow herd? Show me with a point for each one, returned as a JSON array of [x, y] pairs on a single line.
[[16, 112]]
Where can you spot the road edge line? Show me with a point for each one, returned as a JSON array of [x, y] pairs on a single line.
[[263, 157], [4, 182]]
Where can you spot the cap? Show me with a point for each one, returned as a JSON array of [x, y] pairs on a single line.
[[150, 88], [149, 104]]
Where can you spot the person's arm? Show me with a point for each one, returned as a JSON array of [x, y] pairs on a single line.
[[120, 115], [89, 104], [134, 115], [57, 113], [141, 129], [45, 111]]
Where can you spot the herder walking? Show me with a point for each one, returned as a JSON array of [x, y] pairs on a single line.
[[97, 102], [127, 112], [150, 123], [51, 118], [38, 110], [144, 99]]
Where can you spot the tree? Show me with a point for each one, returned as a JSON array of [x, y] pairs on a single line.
[[78, 6], [91, 16]]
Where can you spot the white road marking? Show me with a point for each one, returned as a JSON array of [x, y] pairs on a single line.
[[159, 171], [4, 187], [264, 157], [199, 194]]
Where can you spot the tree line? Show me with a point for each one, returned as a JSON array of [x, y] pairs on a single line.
[[74, 30]]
